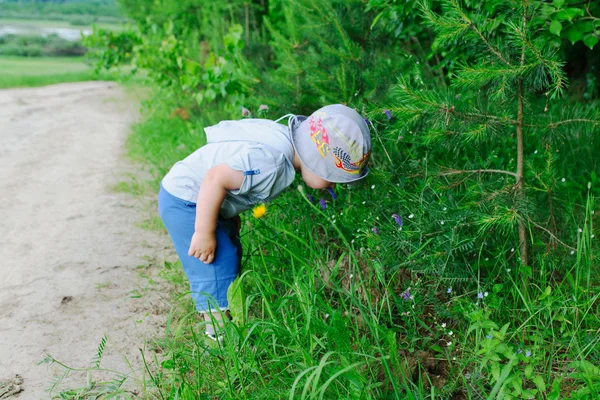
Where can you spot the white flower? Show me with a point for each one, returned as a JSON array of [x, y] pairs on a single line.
[[572, 251], [443, 324], [512, 250], [593, 236], [453, 358], [441, 222], [535, 152], [449, 344], [411, 215], [445, 208], [372, 186], [563, 179], [485, 294], [263, 107], [487, 259], [579, 230], [364, 202], [450, 333], [351, 276]]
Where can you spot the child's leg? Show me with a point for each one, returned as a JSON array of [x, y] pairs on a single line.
[[208, 282]]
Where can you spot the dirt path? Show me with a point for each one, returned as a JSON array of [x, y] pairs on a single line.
[[69, 246]]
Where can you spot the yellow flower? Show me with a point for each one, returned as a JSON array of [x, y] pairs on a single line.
[[259, 211]]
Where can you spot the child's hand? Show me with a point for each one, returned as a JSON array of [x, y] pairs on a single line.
[[203, 247]]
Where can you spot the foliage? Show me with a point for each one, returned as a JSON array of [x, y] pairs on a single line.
[[407, 285], [79, 12], [39, 46]]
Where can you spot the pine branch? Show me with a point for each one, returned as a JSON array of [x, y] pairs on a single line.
[[572, 121], [553, 236], [472, 25], [475, 171]]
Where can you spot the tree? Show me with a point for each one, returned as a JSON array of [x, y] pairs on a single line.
[[501, 105]]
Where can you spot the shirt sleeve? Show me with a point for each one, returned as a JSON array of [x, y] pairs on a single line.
[[260, 171]]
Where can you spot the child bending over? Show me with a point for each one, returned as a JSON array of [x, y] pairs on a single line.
[[245, 163]]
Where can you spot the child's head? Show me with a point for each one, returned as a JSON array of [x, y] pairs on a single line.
[[333, 145]]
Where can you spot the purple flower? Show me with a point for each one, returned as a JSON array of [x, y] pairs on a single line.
[[367, 121], [480, 295], [488, 336], [263, 107], [519, 351], [332, 193], [245, 112], [310, 198], [388, 113], [398, 219], [322, 203], [450, 289], [528, 353], [375, 230], [406, 295]]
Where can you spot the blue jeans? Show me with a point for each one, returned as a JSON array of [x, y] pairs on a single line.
[[208, 282]]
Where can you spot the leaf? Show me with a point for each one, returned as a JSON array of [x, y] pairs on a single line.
[[573, 34], [555, 27], [558, 3], [236, 299], [573, 12], [539, 382], [590, 40]]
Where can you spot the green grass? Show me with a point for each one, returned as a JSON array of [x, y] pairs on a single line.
[[327, 314], [41, 71]]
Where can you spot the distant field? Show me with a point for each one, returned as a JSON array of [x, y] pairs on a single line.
[[40, 23], [41, 71], [24, 72]]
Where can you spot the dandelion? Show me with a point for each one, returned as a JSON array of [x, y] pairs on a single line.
[[375, 230], [332, 193], [398, 219], [406, 295], [263, 107], [245, 112], [388, 113], [450, 289], [480, 295], [323, 204], [259, 211], [528, 353], [411, 216]]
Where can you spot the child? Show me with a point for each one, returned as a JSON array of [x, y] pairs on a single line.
[[245, 163]]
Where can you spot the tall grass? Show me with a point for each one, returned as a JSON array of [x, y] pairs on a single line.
[[343, 303]]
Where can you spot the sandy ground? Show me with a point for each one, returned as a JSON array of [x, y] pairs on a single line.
[[71, 254]]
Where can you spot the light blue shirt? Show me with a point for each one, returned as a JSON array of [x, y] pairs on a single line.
[[260, 148]]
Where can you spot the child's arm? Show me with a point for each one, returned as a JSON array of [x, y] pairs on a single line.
[[210, 197]]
